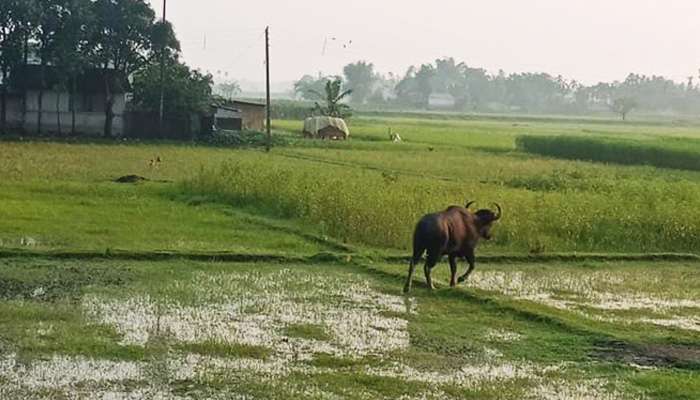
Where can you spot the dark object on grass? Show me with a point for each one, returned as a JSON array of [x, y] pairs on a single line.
[[130, 179], [455, 232]]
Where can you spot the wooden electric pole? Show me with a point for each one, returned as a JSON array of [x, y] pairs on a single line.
[[267, 87], [161, 126]]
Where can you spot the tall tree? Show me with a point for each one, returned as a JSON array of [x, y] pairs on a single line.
[[416, 86], [228, 89], [424, 83], [307, 87], [122, 42], [186, 91], [360, 78], [623, 106], [49, 15], [450, 77], [15, 22], [70, 51]]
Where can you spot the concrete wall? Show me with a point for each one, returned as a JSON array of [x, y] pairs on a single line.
[[89, 118]]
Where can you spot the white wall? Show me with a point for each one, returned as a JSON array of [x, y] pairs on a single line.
[[87, 122]]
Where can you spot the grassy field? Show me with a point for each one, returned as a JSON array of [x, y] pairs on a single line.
[[378, 189], [246, 275]]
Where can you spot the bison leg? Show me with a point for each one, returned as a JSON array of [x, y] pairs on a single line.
[[429, 264], [453, 271], [417, 254], [409, 280], [471, 261]]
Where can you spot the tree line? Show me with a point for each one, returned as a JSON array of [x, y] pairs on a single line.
[[469, 88], [118, 38]]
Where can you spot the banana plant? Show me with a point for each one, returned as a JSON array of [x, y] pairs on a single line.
[[332, 97]]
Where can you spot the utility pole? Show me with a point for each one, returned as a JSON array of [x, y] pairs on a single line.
[[162, 78], [267, 84]]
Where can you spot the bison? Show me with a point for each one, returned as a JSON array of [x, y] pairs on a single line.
[[455, 232]]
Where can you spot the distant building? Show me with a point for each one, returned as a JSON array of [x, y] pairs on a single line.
[[441, 100], [238, 115], [252, 114], [227, 118], [89, 101]]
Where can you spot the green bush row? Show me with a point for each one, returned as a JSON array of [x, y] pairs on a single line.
[[677, 154], [291, 109]]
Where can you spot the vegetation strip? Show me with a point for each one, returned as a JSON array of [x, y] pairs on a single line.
[[570, 257], [677, 154], [334, 257], [368, 167]]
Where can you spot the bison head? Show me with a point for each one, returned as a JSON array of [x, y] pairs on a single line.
[[485, 219]]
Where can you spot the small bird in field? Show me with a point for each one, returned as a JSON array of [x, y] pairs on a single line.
[[431, 148]]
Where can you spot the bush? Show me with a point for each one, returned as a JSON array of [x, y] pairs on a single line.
[[678, 154], [224, 138], [291, 109]]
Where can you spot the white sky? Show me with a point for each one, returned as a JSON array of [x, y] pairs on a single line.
[[589, 40]]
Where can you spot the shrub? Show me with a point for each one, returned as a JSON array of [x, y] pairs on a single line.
[[224, 138], [678, 154]]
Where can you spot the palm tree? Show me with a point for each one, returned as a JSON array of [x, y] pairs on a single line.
[[333, 97]]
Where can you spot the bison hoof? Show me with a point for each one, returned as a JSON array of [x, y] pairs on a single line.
[[406, 289], [461, 279]]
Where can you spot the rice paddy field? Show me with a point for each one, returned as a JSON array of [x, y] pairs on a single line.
[[240, 274]]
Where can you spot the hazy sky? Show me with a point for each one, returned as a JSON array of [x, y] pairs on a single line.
[[590, 40]]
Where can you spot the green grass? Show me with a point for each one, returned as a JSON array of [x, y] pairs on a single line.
[[99, 278], [218, 349], [663, 153], [307, 331], [61, 196], [374, 198]]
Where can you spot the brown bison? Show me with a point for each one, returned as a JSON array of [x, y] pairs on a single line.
[[455, 232]]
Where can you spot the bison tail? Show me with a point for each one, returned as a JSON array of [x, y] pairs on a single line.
[[418, 250]]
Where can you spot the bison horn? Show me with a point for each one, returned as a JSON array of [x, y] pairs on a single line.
[[500, 212], [469, 203]]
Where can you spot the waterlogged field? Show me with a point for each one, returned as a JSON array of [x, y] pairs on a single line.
[[130, 291], [190, 330]]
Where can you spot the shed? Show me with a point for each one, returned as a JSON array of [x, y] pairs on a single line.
[[326, 128], [228, 118], [252, 114]]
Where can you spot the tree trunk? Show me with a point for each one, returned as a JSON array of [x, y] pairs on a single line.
[[3, 103], [40, 99], [58, 112], [109, 104], [72, 105], [24, 84]]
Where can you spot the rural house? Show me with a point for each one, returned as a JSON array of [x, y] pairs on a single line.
[[252, 114], [238, 115], [441, 100], [89, 104], [228, 118]]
